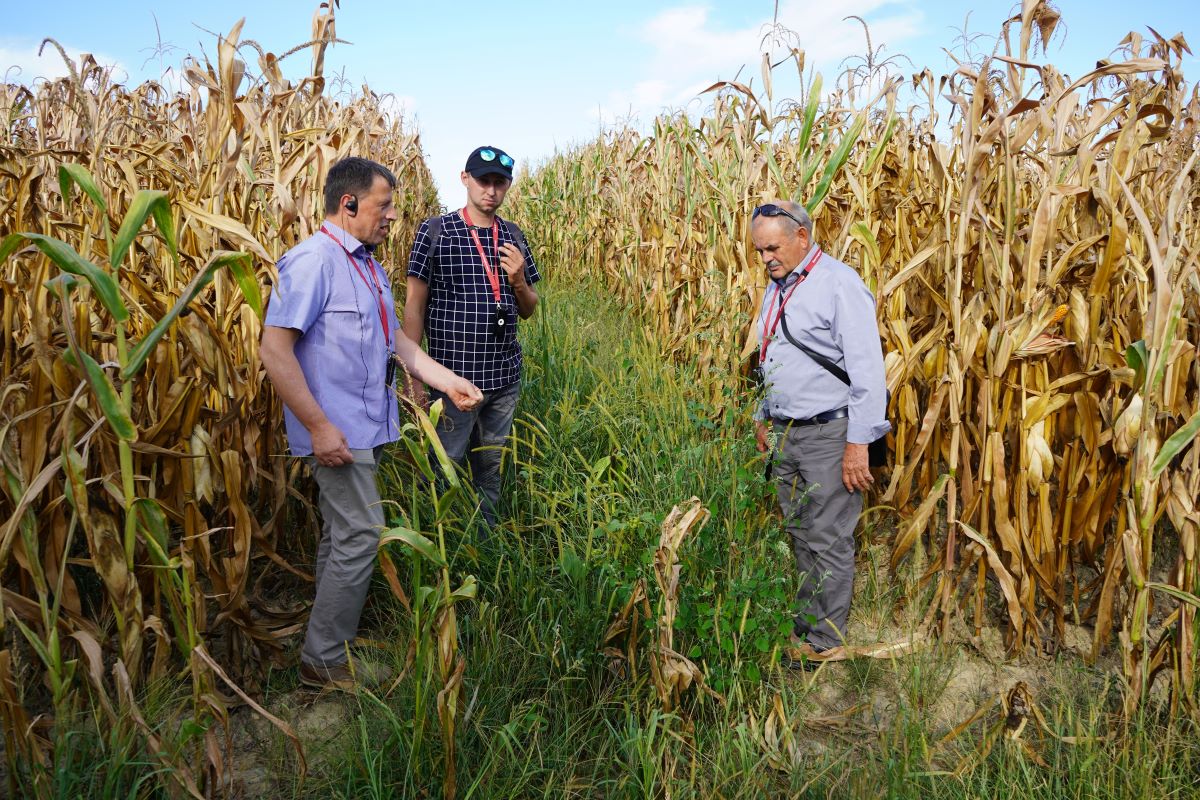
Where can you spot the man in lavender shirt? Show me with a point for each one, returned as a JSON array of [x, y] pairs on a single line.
[[329, 345], [823, 425]]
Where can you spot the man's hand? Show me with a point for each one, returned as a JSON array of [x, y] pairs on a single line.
[[856, 473], [760, 435], [513, 263], [329, 446], [464, 394]]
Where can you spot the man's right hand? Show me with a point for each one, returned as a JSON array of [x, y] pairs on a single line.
[[760, 435], [464, 394], [330, 448]]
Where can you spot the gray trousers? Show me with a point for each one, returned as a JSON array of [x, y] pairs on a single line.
[[351, 521], [479, 436], [820, 516]]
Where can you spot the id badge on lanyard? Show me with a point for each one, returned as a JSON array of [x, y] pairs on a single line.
[[499, 319]]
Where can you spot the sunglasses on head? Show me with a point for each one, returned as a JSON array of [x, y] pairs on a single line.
[[490, 155], [772, 210]]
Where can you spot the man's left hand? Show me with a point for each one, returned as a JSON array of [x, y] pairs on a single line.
[[856, 472], [514, 264]]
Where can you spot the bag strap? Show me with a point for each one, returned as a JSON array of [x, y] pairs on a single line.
[[434, 226], [516, 233], [829, 366]]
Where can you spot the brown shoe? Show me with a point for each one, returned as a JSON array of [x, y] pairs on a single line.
[[358, 672], [335, 677], [802, 655]]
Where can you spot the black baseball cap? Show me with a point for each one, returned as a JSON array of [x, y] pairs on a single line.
[[488, 160]]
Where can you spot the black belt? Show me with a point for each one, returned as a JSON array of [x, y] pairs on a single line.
[[819, 419]]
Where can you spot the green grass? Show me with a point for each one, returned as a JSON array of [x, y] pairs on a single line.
[[610, 436]]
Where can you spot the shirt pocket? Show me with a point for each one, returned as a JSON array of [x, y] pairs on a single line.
[[343, 328]]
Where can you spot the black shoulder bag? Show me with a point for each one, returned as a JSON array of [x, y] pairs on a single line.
[[876, 450]]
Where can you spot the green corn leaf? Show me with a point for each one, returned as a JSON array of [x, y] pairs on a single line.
[[435, 442], [810, 117], [1178, 594], [1174, 445], [1168, 340], [9, 245], [243, 274], [1135, 357], [466, 591], [154, 523], [66, 259], [61, 285], [141, 207], [416, 450], [75, 487], [139, 354], [861, 233], [812, 162], [423, 595], [76, 174], [35, 642], [445, 501], [600, 466], [106, 394], [776, 172], [836, 160], [418, 542], [877, 150], [166, 226], [151, 515]]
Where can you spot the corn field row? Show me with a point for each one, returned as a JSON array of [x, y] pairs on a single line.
[[146, 528], [1032, 245]]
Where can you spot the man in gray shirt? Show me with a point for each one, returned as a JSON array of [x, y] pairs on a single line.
[[823, 425]]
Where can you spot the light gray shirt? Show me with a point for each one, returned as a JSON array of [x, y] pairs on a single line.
[[832, 313]]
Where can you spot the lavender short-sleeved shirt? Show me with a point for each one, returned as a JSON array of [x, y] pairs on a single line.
[[833, 314], [342, 348]]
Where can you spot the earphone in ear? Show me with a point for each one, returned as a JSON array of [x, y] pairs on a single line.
[[352, 205]]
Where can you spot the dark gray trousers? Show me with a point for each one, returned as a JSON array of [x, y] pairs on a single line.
[[820, 516], [351, 521], [479, 436]]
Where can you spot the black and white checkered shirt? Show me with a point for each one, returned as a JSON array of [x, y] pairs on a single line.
[[458, 316]]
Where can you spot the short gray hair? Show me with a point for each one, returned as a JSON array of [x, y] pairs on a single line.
[[796, 210]]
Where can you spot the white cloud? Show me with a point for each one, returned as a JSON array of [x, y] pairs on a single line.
[[689, 51], [20, 62]]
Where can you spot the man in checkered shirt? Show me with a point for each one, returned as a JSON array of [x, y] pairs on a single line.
[[468, 283]]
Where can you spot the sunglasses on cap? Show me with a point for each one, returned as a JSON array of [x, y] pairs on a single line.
[[772, 210], [490, 155]]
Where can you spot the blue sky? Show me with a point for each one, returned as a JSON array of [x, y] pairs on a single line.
[[531, 77]]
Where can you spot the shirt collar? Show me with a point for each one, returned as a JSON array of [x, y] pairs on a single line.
[[794, 275], [354, 246]]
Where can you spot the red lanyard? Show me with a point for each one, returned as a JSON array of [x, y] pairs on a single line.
[[769, 326], [493, 276], [383, 320]]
